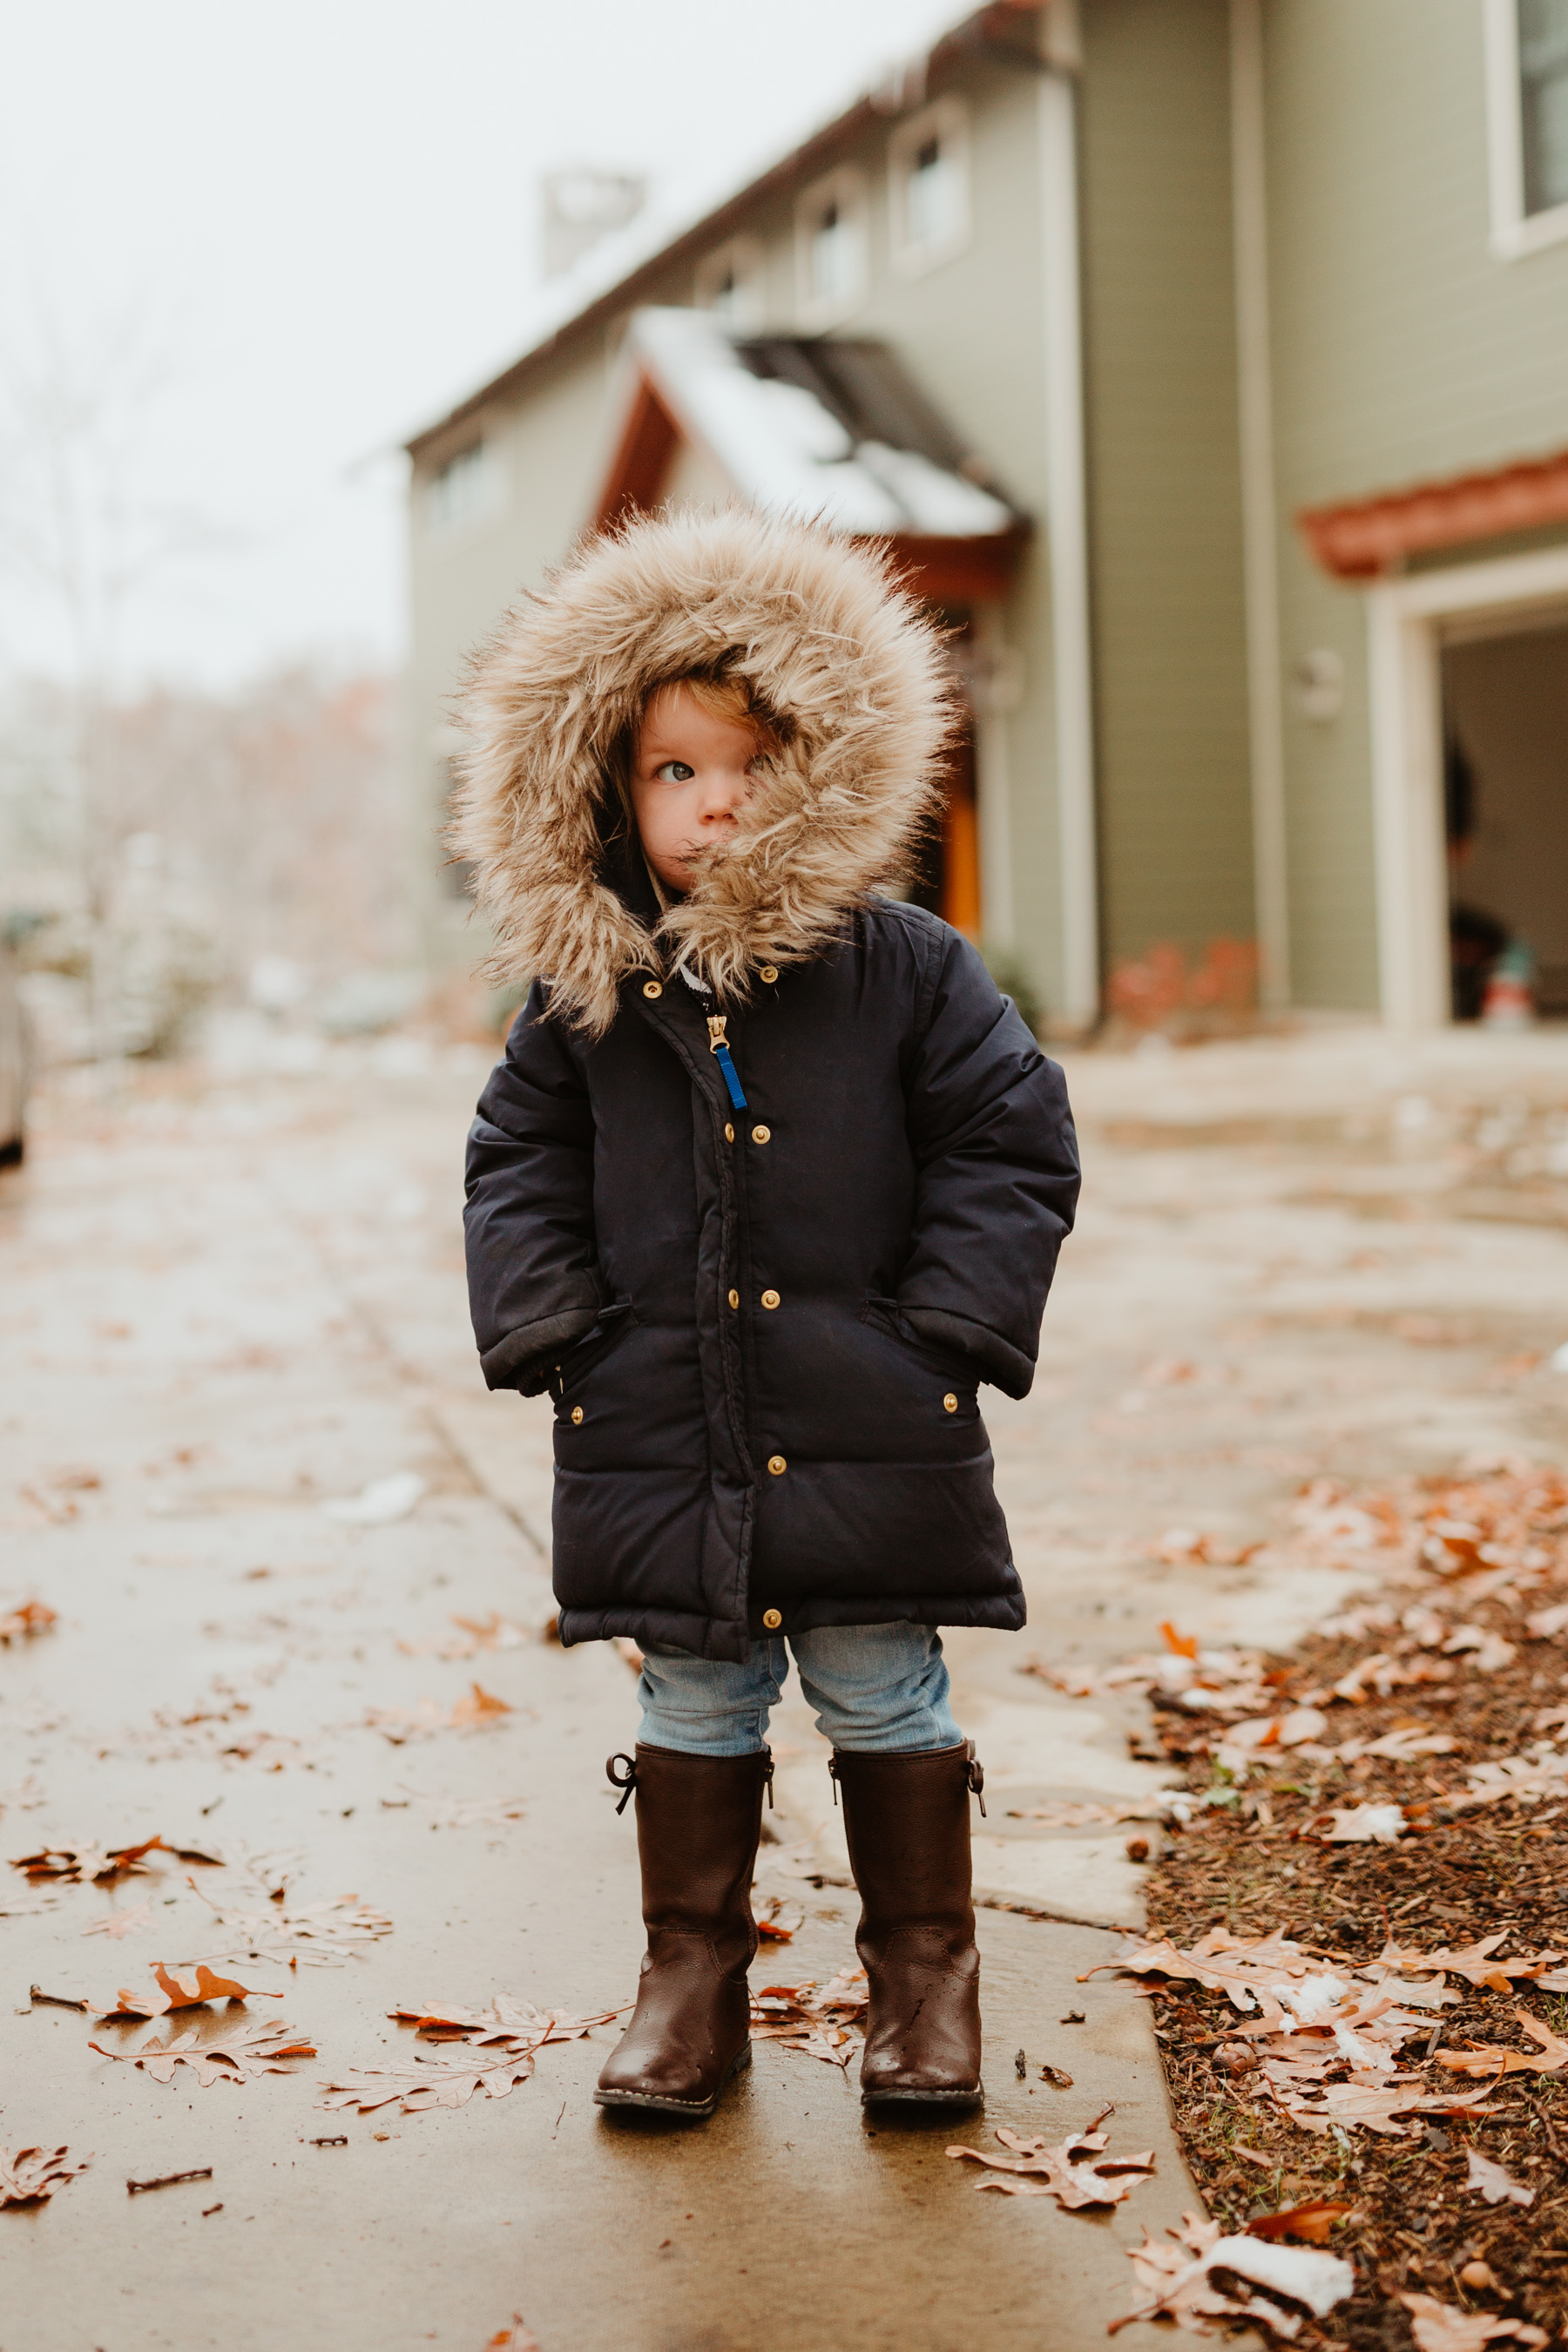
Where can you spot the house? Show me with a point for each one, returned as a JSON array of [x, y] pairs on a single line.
[[1206, 364]]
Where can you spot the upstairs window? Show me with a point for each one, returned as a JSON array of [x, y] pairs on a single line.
[[1527, 103], [927, 195], [1543, 102], [730, 283], [470, 486], [830, 248]]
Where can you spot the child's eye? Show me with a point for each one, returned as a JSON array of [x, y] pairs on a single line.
[[673, 772]]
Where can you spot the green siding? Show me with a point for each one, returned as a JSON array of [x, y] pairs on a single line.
[[1404, 351], [1165, 479]]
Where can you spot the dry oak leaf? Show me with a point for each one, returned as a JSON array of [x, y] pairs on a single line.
[[1493, 2182], [76, 1865], [241, 2053], [507, 2019], [1476, 1964], [518, 2337], [1312, 2221], [1040, 2169], [122, 1923], [1243, 1968], [319, 1935], [32, 2173], [178, 1988], [1376, 2102], [1176, 2279], [428, 2083], [479, 1706], [21, 1624], [1494, 2058], [818, 2020], [1442, 2327], [1358, 1825]]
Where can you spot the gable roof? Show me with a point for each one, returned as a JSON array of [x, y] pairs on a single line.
[[612, 277]]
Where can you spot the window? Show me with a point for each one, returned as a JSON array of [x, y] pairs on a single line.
[[1527, 85], [1543, 102], [730, 283], [830, 248], [927, 164], [470, 486]]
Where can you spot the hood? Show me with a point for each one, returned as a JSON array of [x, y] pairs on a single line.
[[846, 659]]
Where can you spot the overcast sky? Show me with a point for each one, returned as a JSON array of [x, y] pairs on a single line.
[[312, 225]]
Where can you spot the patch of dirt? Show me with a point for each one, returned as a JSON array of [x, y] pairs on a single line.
[[1253, 1859]]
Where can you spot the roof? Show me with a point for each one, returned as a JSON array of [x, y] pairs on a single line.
[[625, 267], [835, 431]]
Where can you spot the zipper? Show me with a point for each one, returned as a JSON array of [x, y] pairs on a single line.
[[720, 1050]]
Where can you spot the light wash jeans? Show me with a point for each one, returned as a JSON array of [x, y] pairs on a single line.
[[877, 1688]]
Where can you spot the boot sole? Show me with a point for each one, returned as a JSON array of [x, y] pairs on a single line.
[[975, 2098], [650, 2102]]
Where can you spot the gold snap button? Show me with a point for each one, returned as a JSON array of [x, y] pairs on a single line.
[[651, 988], [770, 1298], [950, 1401], [773, 1619], [769, 973], [777, 1464], [576, 1413], [761, 1134], [734, 1299], [729, 1132]]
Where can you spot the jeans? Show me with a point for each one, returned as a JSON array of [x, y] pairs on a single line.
[[878, 1688]]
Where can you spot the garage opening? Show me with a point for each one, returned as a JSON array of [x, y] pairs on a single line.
[[1505, 755]]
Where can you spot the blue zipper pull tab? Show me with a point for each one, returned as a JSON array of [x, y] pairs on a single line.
[[718, 1049]]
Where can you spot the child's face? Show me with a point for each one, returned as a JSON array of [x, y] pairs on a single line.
[[691, 773]]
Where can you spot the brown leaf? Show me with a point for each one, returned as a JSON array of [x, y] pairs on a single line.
[[75, 1864], [818, 2020], [1476, 1964], [1443, 2327], [317, 1934], [1482, 2058], [1378, 1824], [518, 2337], [1377, 2105], [1176, 2279], [122, 1923], [1494, 2183], [480, 1706], [177, 1989], [1074, 2171], [428, 2083], [244, 2049], [1312, 2221], [21, 1624], [32, 2173]]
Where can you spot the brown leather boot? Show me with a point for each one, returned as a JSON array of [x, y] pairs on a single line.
[[698, 1819], [907, 1819]]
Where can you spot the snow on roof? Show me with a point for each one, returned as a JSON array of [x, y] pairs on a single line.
[[789, 450]]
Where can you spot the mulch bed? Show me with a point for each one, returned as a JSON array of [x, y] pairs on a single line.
[[1248, 1862]]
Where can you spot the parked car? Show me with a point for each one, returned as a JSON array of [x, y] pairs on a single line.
[[14, 1062]]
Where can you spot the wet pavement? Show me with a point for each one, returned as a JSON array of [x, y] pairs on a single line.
[[232, 1304]]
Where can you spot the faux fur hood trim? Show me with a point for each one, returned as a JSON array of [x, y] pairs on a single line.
[[827, 641]]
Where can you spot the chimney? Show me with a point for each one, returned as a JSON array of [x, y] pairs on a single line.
[[581, 207]]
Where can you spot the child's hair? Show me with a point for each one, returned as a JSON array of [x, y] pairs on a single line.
[[723, 694]]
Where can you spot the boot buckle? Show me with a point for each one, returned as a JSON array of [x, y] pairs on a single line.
[[626, 1780], [976, 1777]]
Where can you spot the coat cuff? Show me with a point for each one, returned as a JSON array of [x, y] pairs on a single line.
[[526, 1358], [1006, 1367]]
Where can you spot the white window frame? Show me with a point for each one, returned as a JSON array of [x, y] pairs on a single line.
[[741, 259], [847, 189], [1514, 232], [948, 119]]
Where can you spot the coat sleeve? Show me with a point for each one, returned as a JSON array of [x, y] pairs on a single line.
[[998, 1175], [534, 1285]]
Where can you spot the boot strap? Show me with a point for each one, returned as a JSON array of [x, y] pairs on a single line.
[[975, 1777]]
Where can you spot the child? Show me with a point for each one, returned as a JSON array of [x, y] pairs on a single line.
[[769, 1181]]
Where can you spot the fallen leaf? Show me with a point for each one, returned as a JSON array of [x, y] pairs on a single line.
[[1183, 1645], [1358, 1825], [32, 2173], [1074, 2171], [778, 1918], [1443, 2327], [1482, 2058], [122, 1923], [21, 1624], [1379, 2106], [177, 1989], [245, 2049], [1312, 2221], [1476, 1964], [1493, 2182], [1066, 1816], [1176, 2279], [818, 2020], [480, 1706], [466, 1812], [319, 1935], [518, 2337], [76, 1865]]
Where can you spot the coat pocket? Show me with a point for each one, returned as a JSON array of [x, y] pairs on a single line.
[[885, 1315], [614, 1322]]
